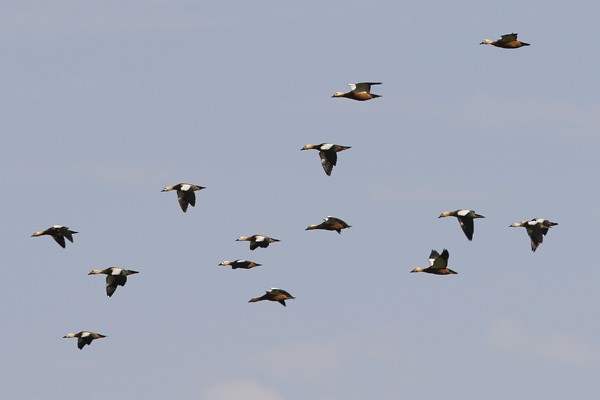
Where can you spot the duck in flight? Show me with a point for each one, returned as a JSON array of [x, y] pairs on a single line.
[[438, 264], [465, 219], [115, 276], [185, 194], [257, 241], [274, 294], [84, 337], [330, 224], [508, 41], [536, 228], [359, 91], [327, 153], [243, 264], [58, 233]]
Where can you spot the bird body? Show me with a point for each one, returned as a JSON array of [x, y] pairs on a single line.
[[242, 264], [257, 241], [115, 276], [185, 194], [84, 337], [508, 41], [536, 228], [58, 233], [330, 224], [465, 219], [327, 153], [274, 294], [438, 264], [359, 91]]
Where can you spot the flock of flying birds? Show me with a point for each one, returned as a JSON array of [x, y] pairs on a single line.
[[536, 228]]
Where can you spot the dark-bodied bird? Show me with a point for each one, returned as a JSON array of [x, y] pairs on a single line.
[[84, 337], [242, 264], [115, 276], [58, 233], [438, 264], [465, 219], [536, 228], [359, 91], [508, 41], [274, 294], [330, 224], [257, 241], [328, 153], [185, 194]]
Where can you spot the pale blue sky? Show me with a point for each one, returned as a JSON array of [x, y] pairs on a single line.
[[105, 103]]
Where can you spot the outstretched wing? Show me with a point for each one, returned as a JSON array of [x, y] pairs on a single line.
[[60, 239], [433, 256], [509, 37], [441, 261], [363, 86], [69, 235], [536, 235], [466, 223], [185, 198], [328, 160]]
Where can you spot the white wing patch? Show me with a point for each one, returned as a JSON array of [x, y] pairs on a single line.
[[462, 213], [85, 334], [259, 239], [116, 271], [185, 187], [327, 146]]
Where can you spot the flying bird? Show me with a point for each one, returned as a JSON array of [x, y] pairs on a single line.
[[508, 41], [84, 337], [359, 91], [242, 264], [185, 194], [115, 276], [274, 294], [328, 153], [257, 241], [536, 228], [465, 219], [58, 233], [438, 264], [330, 224]]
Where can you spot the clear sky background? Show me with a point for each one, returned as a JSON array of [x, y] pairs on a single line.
[[105, 103]]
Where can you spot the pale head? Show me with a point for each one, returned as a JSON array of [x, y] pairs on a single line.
[[338, 94], [308, 147], [96, 272], [487, 41]]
